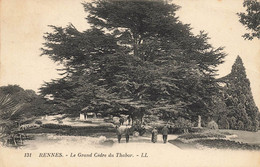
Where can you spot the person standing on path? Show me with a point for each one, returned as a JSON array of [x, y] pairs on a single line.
[[154, 135], [119, 134], [129, 119], [127, 134], [165, 132], [121, 120]]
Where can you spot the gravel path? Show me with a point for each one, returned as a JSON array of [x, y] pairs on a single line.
[[88, 151]]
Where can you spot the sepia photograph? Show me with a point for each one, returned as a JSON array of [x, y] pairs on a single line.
[[109, 83]]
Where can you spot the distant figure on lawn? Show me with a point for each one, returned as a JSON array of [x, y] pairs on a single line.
[[121, 120], [165, 132], [127, 133], [154, 135]]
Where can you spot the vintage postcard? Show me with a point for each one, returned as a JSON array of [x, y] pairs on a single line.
[[109, 83]]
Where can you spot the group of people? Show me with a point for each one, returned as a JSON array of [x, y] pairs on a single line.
[[122, 120], [165, 132], [120, 130]]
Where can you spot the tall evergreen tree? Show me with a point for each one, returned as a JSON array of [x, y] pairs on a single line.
[[239, 99], [137, 57]]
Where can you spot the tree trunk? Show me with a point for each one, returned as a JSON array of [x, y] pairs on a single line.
[[14, 140]]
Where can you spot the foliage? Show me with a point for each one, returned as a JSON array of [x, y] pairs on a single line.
[[201, 135], [182, 123], [223, 122], [138, 128], [212, 125], [38, 122], [17, 106], [95, 131], [227, 144], [136, 59], [251, 19], [242, 112]]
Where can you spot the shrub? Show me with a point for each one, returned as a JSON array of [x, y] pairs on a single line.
[[182, 123], [255, 125], [223, 123], [54, 126], [38, 122], [140, 129], [175, 130], [248, 125], [232, 122], [150, 118], [212, 125], [240, 125], [201, 136], [227, 144], [195, 130]]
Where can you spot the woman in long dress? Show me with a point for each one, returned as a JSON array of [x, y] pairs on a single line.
[[154, 135]]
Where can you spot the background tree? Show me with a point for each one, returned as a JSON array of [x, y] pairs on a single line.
[[18, 106], [239, 99], [251, 18]]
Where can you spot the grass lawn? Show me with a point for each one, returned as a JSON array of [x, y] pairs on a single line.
[[245, 136], [242, 140], [93, 131], [208, 138]]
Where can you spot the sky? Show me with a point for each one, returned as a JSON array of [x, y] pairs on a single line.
[[24, 22]]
